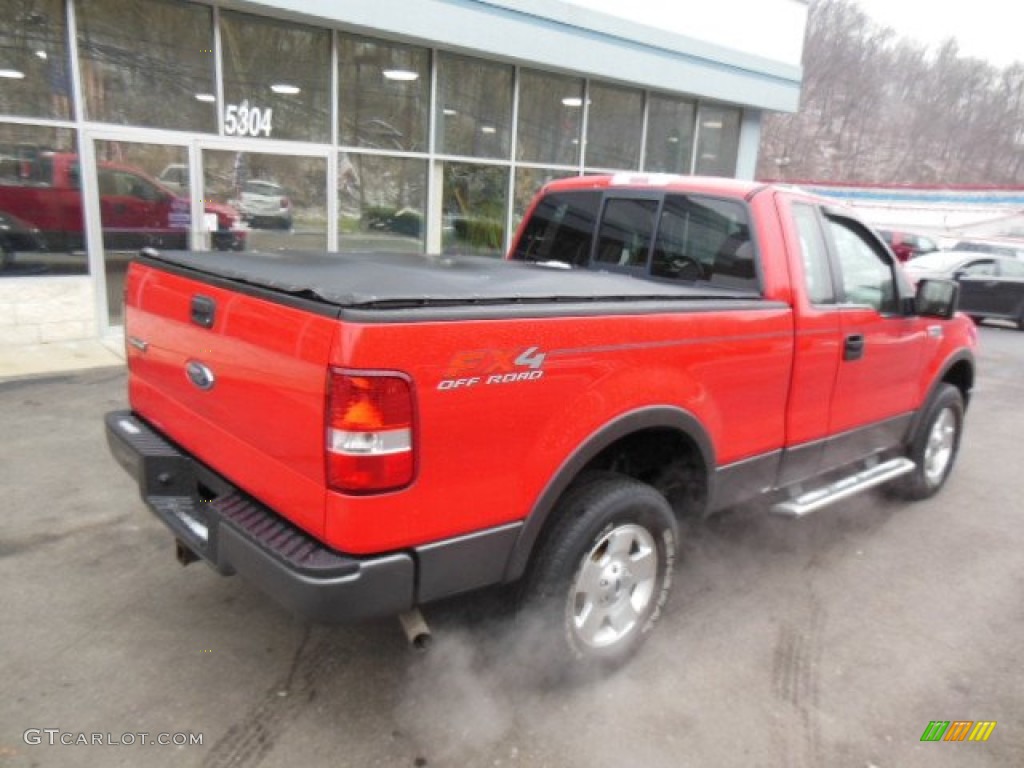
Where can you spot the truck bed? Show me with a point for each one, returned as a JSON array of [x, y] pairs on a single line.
[[403, 281]]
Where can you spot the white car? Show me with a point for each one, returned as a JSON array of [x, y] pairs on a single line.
[[264, 204], [175, 177]]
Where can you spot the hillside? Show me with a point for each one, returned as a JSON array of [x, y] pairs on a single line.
[[878, 108]]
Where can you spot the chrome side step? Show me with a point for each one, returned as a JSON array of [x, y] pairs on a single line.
[[812, 501]]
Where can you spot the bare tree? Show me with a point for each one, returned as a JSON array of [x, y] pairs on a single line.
[[877, 108]]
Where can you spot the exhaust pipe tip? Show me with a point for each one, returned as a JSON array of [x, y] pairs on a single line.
[[416, 630]]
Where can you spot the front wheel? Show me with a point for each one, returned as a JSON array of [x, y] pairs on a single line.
[[602, 575], [935, 444]]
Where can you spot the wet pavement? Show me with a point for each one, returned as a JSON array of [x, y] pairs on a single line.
[[828, 641]]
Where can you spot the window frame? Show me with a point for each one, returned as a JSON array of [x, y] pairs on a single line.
[[830, 265]]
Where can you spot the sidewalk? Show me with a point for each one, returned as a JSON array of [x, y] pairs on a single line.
[[17, 361]]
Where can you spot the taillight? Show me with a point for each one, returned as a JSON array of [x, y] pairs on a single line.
[[369, 432]]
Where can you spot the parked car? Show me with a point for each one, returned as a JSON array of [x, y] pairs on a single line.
[[907, 245], [16, 235], [1009, 248], [136, 210], [175, 177], [998, 295], [990, 286], [264, 204], [946, 265]]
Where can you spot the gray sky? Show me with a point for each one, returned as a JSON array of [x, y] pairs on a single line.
[[984, 29]]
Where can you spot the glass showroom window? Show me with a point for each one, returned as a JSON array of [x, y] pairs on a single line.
[[550, 116], [614, 127], [34, 72], [383, 94], [41, 223], [148, 62], [136, 210], [283, 199], [276, 79], [381, 203], [528, 183], [669, 134], [475, 203], [474, 107], [718, 140]]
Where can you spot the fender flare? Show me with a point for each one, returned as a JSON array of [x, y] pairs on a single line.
[[654, 417], [960, 356]]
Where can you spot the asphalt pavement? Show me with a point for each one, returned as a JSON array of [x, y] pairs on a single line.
[[828, 641]]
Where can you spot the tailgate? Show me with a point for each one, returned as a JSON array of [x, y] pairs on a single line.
[[237, 380]]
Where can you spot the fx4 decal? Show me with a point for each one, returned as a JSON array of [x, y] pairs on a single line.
[[486, 367]]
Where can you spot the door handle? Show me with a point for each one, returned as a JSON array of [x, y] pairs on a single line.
[[853, 348], [204, 310]]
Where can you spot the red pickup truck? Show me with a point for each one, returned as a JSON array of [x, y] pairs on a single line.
[[136, 210], [359, 435]]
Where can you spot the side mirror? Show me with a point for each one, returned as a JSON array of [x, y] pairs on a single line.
[[936, 298], [959, 275]]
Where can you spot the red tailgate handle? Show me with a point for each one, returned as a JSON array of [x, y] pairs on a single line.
[[204, 311]]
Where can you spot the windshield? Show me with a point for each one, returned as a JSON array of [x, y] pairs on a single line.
[[262, 188]]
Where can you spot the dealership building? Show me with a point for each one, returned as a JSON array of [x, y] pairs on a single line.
[[369, 125]]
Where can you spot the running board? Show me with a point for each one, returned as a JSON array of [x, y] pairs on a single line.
[[849, 486]]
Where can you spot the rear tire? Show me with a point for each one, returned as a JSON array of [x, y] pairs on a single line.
[[598, 583], [935, 444]]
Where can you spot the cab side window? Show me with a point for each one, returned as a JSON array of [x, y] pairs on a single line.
[[980, 268], [866, 274]]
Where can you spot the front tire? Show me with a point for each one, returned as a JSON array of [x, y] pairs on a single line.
[[598, 583], [935, 445]]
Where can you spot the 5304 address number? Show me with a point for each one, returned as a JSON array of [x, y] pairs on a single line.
[[243, 120]]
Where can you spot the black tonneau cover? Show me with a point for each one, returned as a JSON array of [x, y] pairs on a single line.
[[397, 280]]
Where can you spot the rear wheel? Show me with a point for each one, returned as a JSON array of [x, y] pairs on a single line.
[[935, 444], [600, 579]]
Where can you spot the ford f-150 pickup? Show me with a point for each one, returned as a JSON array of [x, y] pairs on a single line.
[[359, 435]]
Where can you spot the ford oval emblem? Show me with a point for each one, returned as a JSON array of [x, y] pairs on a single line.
[[200, 374]]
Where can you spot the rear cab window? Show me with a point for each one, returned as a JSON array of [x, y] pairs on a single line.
[[682, 238]]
